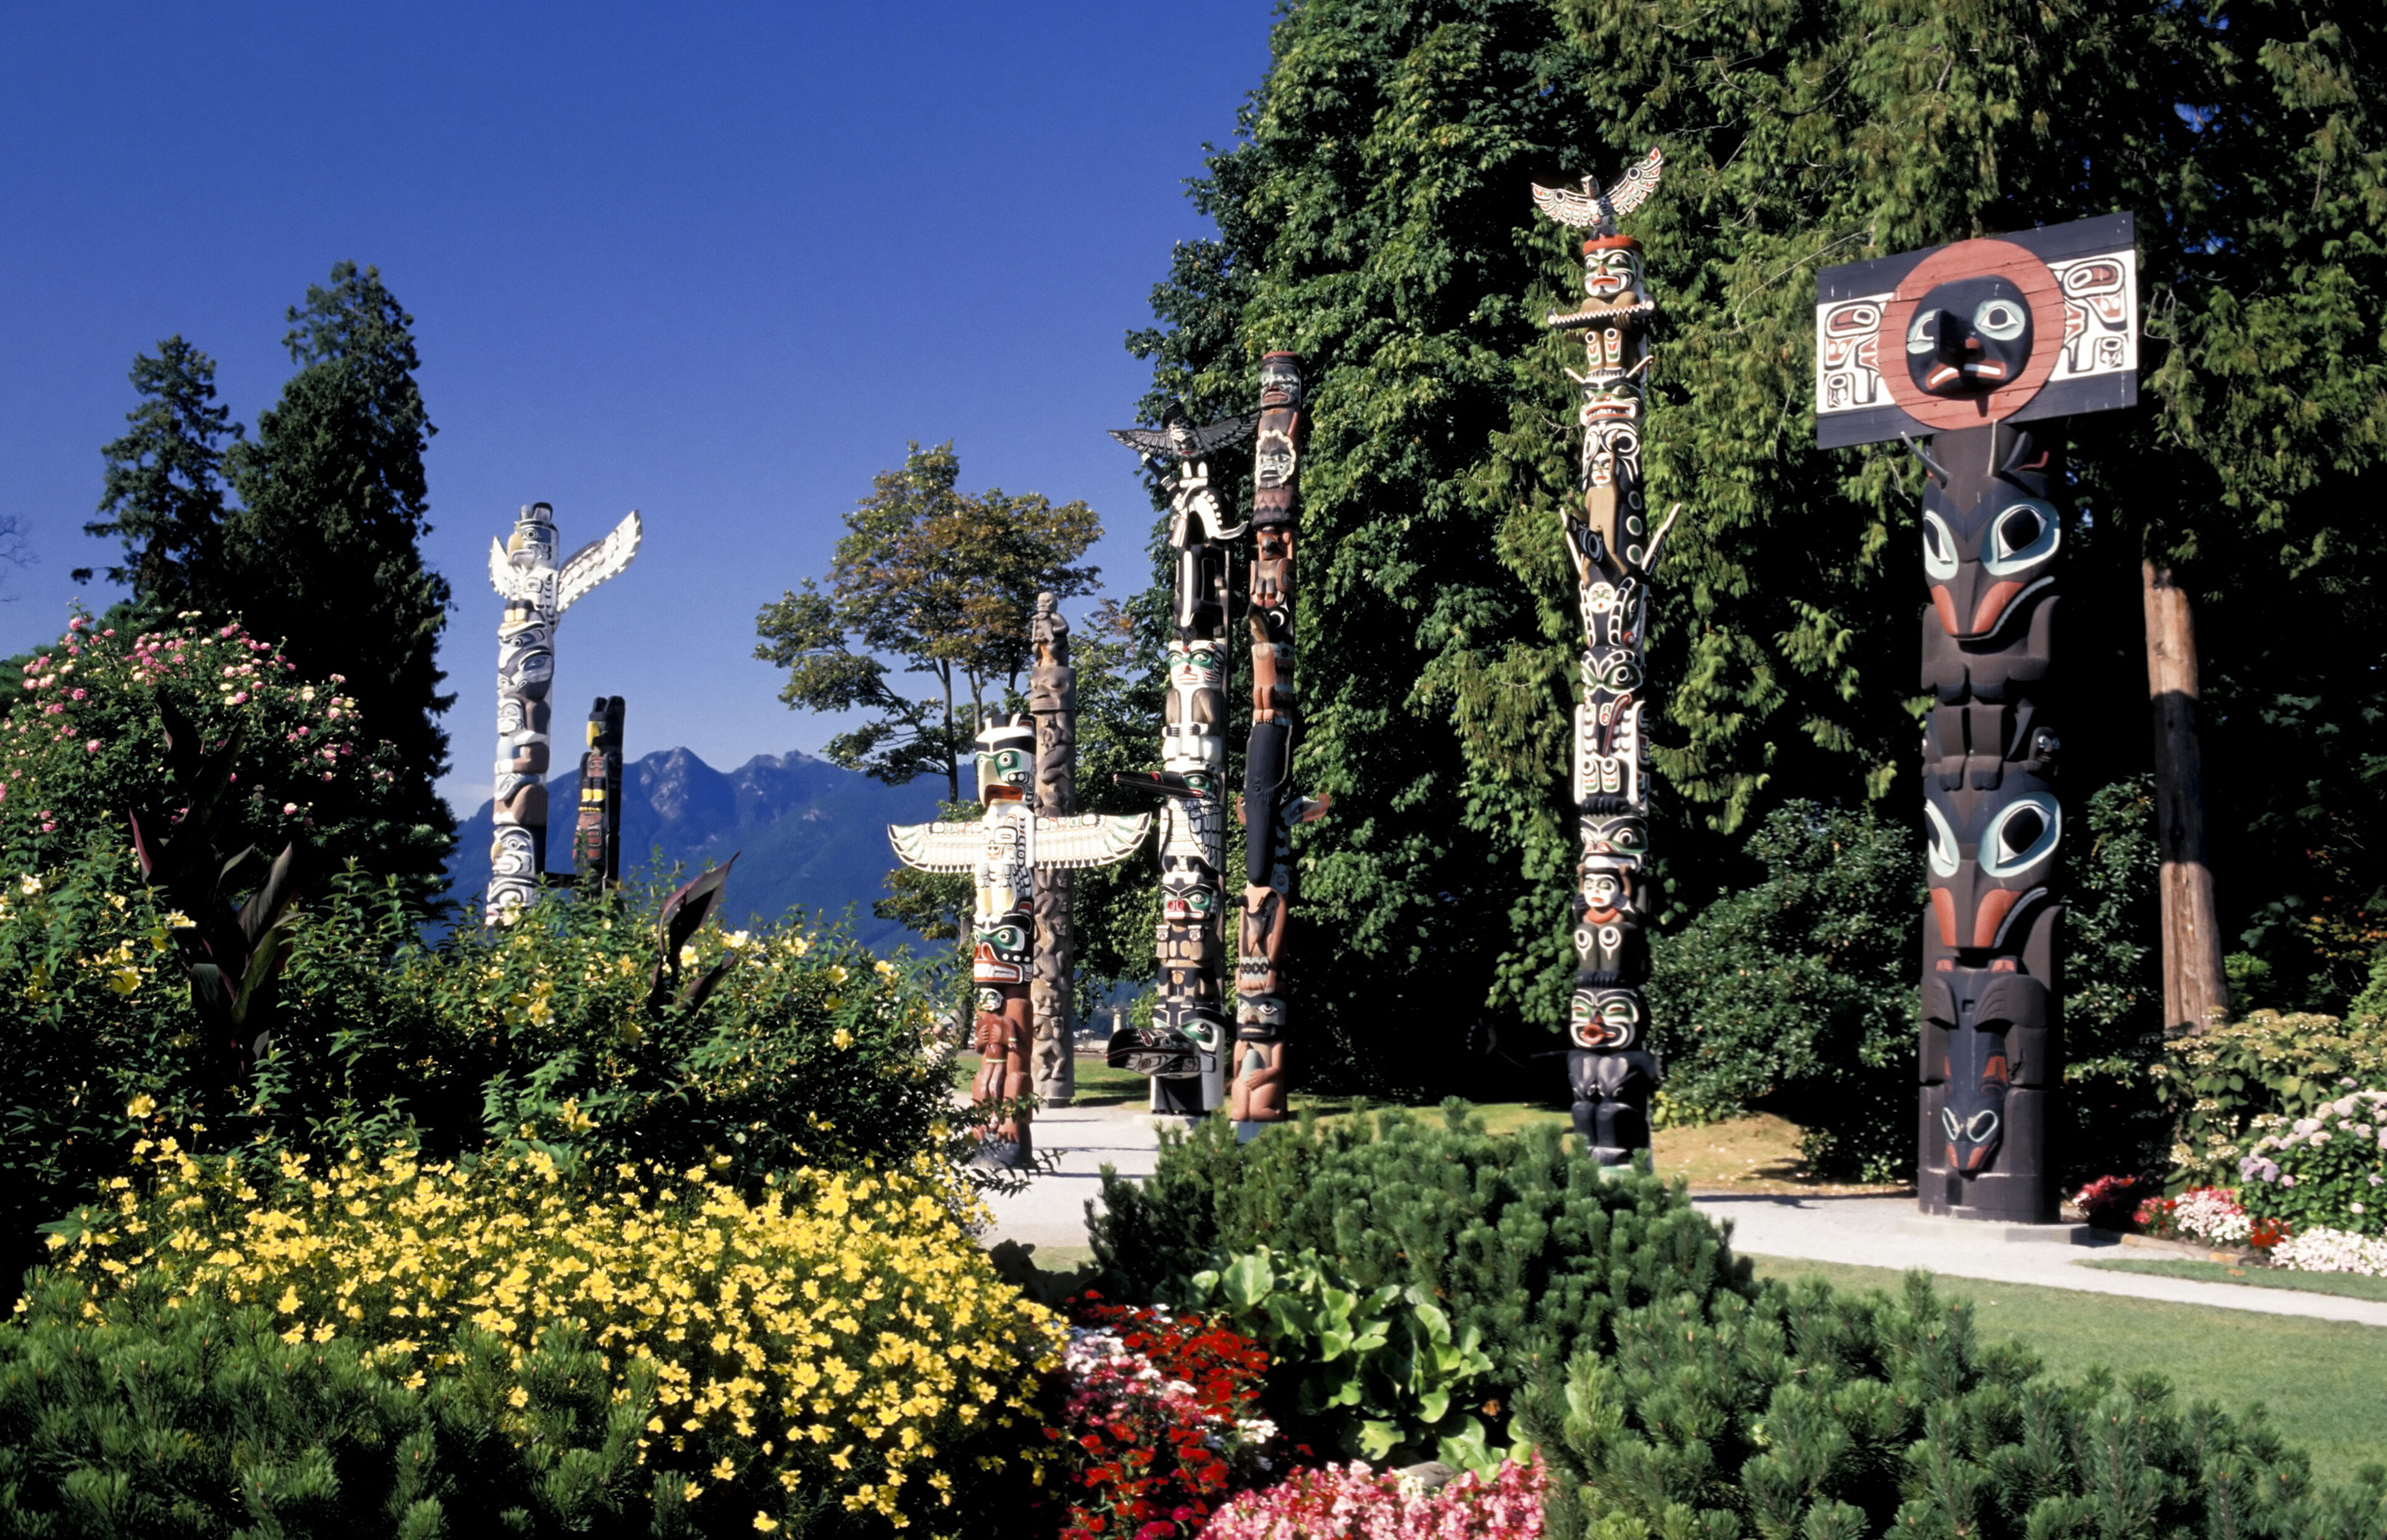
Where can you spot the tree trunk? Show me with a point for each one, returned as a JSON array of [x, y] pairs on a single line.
[[2195, 990]]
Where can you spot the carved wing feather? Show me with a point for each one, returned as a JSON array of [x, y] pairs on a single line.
[[1213, 436], [597, 560], [511, 582], [1572, 206], [938, 847], [1640, 181], [1095, 840], [1143, 441]]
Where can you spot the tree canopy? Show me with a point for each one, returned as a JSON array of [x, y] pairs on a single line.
[[164, 495], [1373, 216], [928, 579]]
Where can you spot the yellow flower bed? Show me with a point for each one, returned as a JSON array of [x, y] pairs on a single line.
[[842, 1337]]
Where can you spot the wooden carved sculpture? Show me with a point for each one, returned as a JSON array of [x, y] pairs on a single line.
[[597, 833], [1053, 700], [1269, 809], [1003, 850], [1613, 549], [1973, 353], [523, 572], [1184, 1049]]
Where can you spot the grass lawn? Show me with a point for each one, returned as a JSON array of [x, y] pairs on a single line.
[[2323, 1381], [2353, 1285]]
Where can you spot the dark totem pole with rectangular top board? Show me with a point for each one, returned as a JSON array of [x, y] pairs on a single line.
[[597, 827], [1973, 354]]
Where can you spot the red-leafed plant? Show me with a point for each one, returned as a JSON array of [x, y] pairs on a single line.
[[1160, 1421]]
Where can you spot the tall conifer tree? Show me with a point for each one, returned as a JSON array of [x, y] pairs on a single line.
[[1373, 216], [325, 550], [163, 495]]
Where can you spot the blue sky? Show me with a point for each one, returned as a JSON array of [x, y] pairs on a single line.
[[717, 263]]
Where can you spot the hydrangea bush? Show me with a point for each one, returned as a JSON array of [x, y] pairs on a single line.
[[1352, 1502], [2269, 1065], [2325, 1170], [839, 1342]]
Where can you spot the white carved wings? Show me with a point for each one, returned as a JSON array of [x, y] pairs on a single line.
[[1589, 207], [1094, 839], [592, 565], [938, 847]]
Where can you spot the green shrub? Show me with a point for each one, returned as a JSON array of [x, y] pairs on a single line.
[[192, 1419], [807, 1052], [1378, 1376], [1527, 1247], [1808, 1414], [2267, 1066]]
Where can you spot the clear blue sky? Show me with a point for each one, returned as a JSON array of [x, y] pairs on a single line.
[[713, 263]]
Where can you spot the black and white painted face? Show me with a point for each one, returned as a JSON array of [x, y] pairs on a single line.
[[1604, 1018], [1968, 336], [1984, 860], [1611, 275], [1280, 383]]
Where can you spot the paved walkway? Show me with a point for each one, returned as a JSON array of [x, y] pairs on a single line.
[[1868, 1231]]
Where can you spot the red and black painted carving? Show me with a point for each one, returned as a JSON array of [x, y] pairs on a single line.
[[1973, 353]]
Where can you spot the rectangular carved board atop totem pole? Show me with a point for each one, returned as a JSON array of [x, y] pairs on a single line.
[[1973, 353]]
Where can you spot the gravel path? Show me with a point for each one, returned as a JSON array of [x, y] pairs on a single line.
[[1869, 1231]]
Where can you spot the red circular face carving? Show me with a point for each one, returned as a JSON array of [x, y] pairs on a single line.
[[1982, 259]]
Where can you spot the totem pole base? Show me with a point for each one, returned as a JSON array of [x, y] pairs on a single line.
[[1973, 1232], [2012, 1197], [1181, 1097], [1006, 1154]]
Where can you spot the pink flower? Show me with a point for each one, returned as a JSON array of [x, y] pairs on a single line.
[[289, 808], [48, 827], [302, 732], [241, 698], [76, 696], [77, 623], [92, 747]]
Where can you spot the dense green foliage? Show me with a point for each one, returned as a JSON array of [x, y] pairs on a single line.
[[942, 583], [1373, 216], [1524, 1245], [195, 1419], [1377, 1374], [2267, 1066], [163, 494], [1828, 1415], [808, 1051]]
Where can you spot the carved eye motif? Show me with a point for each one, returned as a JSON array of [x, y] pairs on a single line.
[[1942, 842], [2021, 835], [2000, 318], [1939, 549], [2025, 534]]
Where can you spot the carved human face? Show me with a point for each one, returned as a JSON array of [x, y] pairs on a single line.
[[1002, 945], [1969, 337], [1614, 842], [1611, 275], [1280, 382], [1604, 1018]]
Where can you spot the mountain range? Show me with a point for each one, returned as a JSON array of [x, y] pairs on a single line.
[[804, 831]]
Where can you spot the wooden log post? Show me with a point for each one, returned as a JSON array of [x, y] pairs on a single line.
[[2195, 990]]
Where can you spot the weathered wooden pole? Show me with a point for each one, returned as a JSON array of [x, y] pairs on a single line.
[[596, 831], [1053, 700], [2195, 989]]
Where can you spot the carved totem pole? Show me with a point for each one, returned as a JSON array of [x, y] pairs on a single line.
[[1955, 349], [597, 834], [1053, 700], [1613, 551], [1003, 850], [1269, 808], [536, 590], [1185, 1049]]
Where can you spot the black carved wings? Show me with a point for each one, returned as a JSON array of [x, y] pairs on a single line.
[[1178, 436]]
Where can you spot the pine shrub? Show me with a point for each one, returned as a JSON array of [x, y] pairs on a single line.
[[1809, 1414], [1530, 1248]]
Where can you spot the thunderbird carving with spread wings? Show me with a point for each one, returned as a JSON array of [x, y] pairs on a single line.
[[516, 578], [1178, 437], [1597, 211]]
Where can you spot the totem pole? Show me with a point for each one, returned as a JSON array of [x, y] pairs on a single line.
[[1994, 333], [1269, 809], [1184, 1051], [1053, 700], [597, 835], [1613, 551], [537, 591], [1003, 850]]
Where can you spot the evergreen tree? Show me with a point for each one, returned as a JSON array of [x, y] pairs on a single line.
[[163, 495], [325, 550], [1373, 216]]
